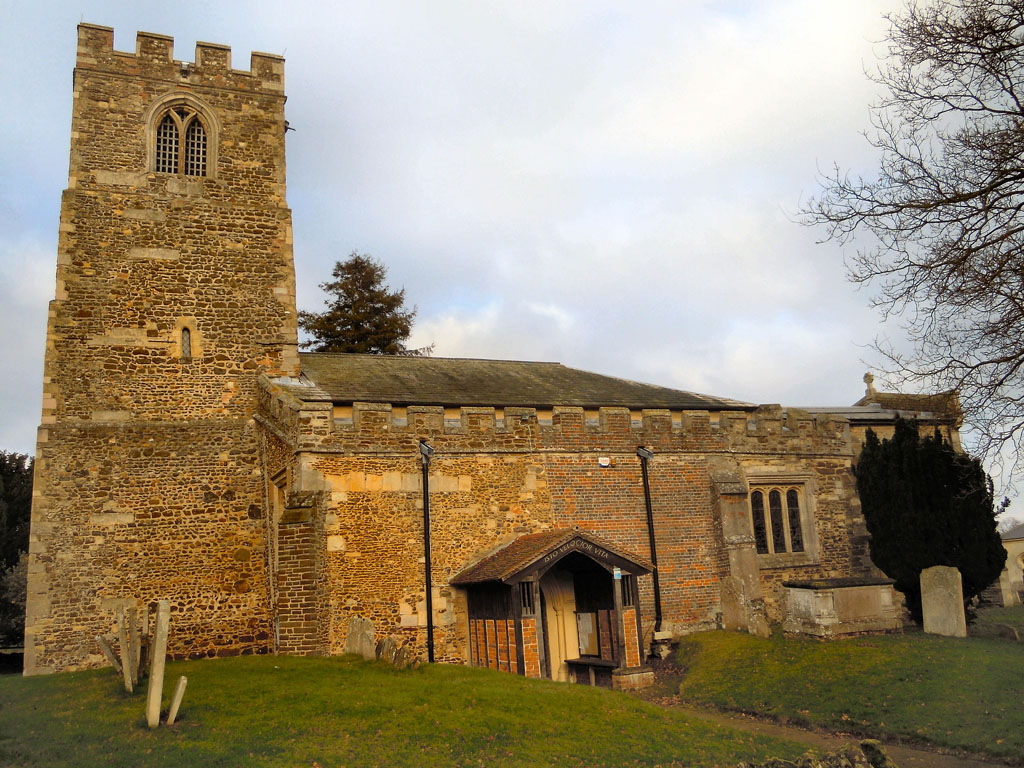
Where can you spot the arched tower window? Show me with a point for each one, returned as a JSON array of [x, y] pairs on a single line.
[[195, 149], [182, 138], [186, 344], [167, 146]]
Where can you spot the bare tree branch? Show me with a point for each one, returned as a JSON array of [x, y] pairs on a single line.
[[945, 210]]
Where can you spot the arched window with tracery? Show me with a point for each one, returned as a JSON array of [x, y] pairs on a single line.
[[181, 144], [777, 517]]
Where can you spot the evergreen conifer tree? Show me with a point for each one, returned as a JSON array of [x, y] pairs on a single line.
[[363, 314], [926, 504], [15, 512]]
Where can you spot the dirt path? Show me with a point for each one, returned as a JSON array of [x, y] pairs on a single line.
[[904, 757]]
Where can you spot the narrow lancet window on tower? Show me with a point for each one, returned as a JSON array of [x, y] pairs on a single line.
[[186, 344]]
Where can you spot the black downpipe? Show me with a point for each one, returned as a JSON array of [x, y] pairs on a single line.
[[425, 453], [646, 455]]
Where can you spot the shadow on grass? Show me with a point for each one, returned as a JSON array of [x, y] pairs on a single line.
[[952, 693], [290, 711]]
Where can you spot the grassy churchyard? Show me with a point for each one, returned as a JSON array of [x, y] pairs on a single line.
[[965, 694], [342, 711]]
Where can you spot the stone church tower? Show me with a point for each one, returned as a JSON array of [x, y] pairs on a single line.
[[175, 289]]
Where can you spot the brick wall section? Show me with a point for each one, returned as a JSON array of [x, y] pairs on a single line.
[[476, 643], [610, 502], [145, 479], [492, 480], [374, 529], [297, 608], [513, 652], [501, 627], [531, 657], [493, 644]]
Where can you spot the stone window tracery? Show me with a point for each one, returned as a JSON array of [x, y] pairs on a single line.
[[181, 136], [174, 155], [778, 525]]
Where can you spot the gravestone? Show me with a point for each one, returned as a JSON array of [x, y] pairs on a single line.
[[402, 657], [388, 649], [942, 601], [360, 638]]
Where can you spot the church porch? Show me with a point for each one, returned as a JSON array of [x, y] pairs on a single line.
[[558, 604]]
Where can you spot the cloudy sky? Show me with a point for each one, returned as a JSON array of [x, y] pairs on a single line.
[[611, 185]]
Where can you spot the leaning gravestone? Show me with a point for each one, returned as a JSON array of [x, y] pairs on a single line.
[[388, 649], [942, 601], [360, 639], [403, 658]]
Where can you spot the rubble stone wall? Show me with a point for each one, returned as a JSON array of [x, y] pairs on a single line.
[[147, 475], [493, 479]]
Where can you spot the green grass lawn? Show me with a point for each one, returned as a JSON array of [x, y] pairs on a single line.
[[332, 712], [960, 693], [988, 618]]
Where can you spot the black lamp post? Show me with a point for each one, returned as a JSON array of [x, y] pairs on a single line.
[[425, 453], [646, 455]]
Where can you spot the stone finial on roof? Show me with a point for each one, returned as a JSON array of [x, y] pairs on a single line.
[[869, 379]]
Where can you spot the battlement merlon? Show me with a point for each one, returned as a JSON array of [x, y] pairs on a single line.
[[154, 55]]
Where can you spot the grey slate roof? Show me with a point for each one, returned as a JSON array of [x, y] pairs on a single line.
[[1014, 533], [877, 414], [941, 403], [455, 382]]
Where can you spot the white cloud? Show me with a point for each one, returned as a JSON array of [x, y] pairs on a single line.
[[26, 286], [592, 182]]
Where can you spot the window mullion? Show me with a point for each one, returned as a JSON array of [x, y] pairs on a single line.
[[182, 128]]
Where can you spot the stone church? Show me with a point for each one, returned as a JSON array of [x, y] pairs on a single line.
[[525, 516]]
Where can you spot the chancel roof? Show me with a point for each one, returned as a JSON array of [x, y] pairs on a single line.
[[940, 405], [534, 551], [446, 381], [1014, 533]]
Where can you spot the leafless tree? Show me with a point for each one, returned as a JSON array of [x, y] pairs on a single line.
[[945, 213]]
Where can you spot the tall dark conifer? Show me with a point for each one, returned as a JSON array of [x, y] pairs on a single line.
[[15, 505], [15, 512], [362, 315], [926, 504]]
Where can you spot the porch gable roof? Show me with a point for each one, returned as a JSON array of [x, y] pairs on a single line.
[[538, 551]]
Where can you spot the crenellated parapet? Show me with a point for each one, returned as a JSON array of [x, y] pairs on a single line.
[[298, 415], [154, 56], [312, 421]]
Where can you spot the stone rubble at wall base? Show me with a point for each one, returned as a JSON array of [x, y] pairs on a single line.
[[868, 754]]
